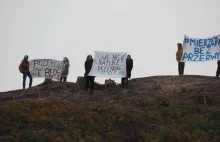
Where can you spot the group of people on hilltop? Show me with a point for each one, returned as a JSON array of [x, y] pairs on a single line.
[[24, 69], [90, 79], [181, 65]]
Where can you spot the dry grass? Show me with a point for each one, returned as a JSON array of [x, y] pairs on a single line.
[[56, 120]]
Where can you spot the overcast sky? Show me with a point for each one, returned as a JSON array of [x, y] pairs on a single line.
[[146, 29]]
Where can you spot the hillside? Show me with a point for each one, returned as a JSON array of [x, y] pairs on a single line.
[[162, 108]]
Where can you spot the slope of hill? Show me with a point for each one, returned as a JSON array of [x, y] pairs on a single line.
[[163, 108]]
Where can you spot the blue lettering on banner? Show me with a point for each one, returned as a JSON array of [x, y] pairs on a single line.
[[196, 57], [200, 42], [185, 56], [190, 56], [209, 47], [43, 63], [36, 72], [208, 57], [47, 63], [198, 50], [205, 42], [200, 57], [193, 41], [52, 62], [186, 40], [201, 50], [35, 62], [46, 68]]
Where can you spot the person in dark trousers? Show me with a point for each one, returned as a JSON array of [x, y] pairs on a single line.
[[129, 67], [218, 69], [65, 69], [218, 63], [89, 79], [25, 71], [179, 54]]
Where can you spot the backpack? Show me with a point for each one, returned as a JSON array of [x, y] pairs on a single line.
[[20, 68]]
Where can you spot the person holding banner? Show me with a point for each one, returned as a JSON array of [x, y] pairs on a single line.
[[218, 69], [24, 69], [129, 67], [218, 63], [65, 69], [89, 79], [179, 54]]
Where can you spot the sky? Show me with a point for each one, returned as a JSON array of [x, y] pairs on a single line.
[[148, 30]]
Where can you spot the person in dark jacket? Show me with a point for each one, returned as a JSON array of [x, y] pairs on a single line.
[[26, 72], [218, 63], [89, 79], [65, 69], [218, 69], [129, 67]]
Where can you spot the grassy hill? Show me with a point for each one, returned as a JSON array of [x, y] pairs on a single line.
[[165, 108]]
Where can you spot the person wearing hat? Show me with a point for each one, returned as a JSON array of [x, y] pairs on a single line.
[[179, 54], [129, 67], [25, 71]]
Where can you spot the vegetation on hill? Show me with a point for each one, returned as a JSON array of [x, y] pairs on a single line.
[[56, 120], [157, 109]]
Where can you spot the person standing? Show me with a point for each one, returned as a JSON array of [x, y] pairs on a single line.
[[89, 79], [129, 67], [218, 69], [218, 63], [179, 54], [24, 69], [65, 69]]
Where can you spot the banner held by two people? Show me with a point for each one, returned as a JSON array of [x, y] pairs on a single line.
[[109, 64], [45, 68]]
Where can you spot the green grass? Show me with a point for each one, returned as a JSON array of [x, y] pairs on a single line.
[[56, 120]]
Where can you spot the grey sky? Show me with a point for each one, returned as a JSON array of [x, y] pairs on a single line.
[[146, 29]]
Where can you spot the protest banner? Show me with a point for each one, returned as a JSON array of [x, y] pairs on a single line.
[[45, 68], [201, 50], [109, 64]]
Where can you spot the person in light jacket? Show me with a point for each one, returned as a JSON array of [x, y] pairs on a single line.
[[65, 69]]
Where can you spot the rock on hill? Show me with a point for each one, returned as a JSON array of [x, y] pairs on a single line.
[[162, 108]]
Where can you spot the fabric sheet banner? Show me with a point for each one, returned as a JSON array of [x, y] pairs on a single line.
[[45, 68], [200, 50], [109, 64]]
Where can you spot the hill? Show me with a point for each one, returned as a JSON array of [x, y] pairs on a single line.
[[162, 108]]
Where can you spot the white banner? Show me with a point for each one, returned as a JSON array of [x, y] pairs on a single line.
[[45, 68], [109, 64], [200, 50]]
